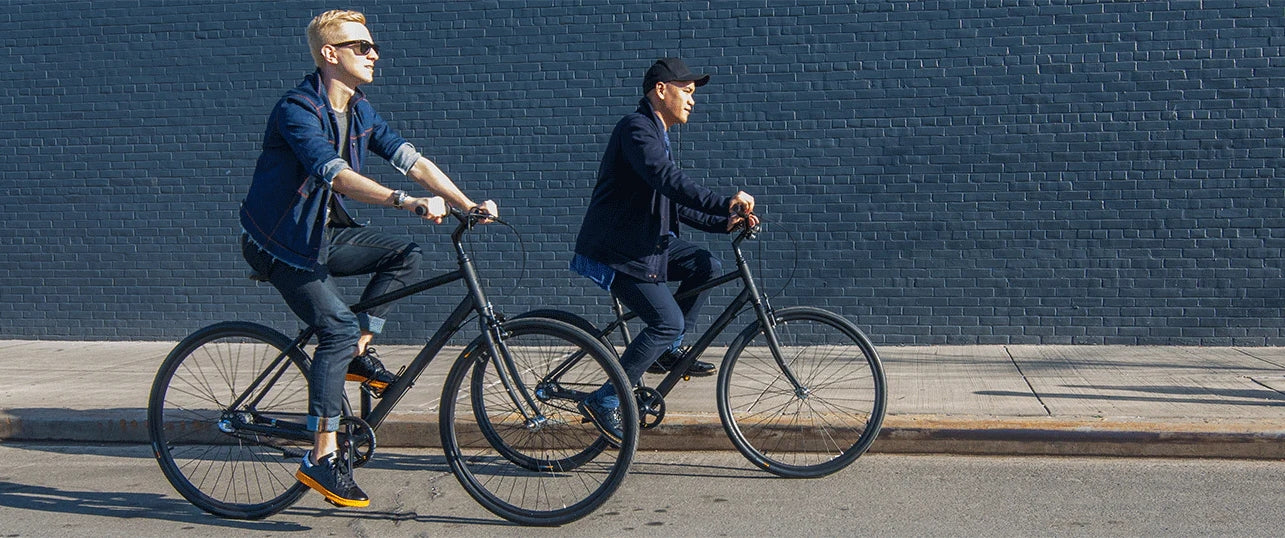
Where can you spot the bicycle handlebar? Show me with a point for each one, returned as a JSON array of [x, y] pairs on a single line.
[[471, 216], [747, 232]]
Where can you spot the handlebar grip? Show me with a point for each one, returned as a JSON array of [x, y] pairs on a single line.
[[421, 210]]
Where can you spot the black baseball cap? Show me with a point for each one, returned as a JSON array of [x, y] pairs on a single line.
[[669, 70]]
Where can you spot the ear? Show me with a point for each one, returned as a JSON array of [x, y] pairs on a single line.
[[330, 54], [660, 90]]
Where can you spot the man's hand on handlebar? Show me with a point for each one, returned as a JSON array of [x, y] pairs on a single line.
[[487, 207], [433, 209], [742, 211]]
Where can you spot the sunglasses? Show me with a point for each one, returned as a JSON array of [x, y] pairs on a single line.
[[363, 47]]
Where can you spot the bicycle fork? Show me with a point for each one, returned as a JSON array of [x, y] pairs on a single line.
[[501, 359], [768, 320]]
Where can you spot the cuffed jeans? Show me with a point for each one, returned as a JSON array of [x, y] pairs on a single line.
[[667, 319], [313, 296]]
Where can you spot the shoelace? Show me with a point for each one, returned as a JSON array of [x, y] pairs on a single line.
[[373, 361], [343, 470]]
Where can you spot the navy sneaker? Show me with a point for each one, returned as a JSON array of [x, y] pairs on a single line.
[[597, 409], [367, 369], [670, 358], [331, 476]]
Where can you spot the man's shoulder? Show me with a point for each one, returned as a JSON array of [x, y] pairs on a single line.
[[635, 121], [304, 94]]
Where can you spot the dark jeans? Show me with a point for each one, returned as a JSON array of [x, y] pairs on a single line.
[[313, 296], [666, 318]]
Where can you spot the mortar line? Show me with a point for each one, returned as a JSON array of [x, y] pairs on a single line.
[[1027, 381]]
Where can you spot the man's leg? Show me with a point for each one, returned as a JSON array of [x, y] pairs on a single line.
[[655, 306], [313, 297], [361, 251], [394, 262], [692, 266]]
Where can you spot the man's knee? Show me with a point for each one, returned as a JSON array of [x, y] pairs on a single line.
[[411, 257], [340, 329], [714, 266], [706, 266], [669, 326]]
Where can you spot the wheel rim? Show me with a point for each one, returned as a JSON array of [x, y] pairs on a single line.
[[820, 430], [239, 473], [548, 474]]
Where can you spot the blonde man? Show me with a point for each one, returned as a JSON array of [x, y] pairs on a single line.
[[298, 232]]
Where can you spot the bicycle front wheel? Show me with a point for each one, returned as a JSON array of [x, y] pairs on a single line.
[[541, 466], [204, 445], [820, 427]]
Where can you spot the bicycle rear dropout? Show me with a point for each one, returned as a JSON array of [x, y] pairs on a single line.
[[228, 407]]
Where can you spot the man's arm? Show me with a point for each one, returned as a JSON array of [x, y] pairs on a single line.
[[429, 176], [436, 181], [363, 189]]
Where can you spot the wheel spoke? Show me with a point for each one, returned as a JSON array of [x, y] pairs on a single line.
[[809, 433], [231, 475]]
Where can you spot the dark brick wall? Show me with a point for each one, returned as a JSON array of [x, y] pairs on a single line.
[[986, 171]]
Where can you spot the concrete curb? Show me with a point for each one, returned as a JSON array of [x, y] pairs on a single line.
[[901, 434]]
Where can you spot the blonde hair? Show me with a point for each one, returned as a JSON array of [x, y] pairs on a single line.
[[323, 28]]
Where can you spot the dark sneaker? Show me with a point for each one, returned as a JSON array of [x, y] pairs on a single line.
[[671, 357], [606, 418], [332, 476], [367, 369]]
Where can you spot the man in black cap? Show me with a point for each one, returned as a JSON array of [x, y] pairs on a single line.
[[629, 241]]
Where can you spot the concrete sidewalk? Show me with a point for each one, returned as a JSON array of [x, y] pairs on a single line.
[[1012, 400]]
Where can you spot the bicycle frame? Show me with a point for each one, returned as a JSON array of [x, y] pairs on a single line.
[[749, 295], [474, 302]]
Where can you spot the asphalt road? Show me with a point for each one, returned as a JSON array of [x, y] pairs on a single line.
[[118, 490]]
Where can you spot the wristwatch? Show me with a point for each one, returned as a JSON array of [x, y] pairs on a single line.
[[399, 198]]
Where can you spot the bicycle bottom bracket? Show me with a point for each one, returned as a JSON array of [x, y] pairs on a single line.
[[358, 436], [651, 407]]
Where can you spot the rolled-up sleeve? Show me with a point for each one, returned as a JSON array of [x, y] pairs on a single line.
[[404, 158], [332, 168]]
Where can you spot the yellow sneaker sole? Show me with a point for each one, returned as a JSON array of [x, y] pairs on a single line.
[[335, 499]]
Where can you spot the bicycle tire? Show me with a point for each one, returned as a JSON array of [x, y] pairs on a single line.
[[815, 434], [233, 475], [548, 475], [573, 320]]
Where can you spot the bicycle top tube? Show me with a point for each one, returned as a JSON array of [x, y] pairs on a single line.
[[467, 220]]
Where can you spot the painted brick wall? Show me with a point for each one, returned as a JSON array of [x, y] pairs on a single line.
[[971, 171]]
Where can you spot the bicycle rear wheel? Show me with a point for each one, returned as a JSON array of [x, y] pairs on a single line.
[[545, 470], [202, 444], [802, 434]]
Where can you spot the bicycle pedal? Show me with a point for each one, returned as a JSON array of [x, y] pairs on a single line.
[[367, 388]]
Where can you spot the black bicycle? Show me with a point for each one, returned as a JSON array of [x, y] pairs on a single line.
[[801, 391], [228, 408]]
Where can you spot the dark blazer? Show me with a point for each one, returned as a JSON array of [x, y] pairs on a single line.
[[640, 197]]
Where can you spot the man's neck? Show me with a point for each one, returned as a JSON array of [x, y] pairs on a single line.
[[338, 92], [656, 110]]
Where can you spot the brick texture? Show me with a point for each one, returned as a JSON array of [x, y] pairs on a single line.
[[940, 172]]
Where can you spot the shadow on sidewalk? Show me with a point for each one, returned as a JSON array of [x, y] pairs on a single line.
[[125, 506], [1180, 395]]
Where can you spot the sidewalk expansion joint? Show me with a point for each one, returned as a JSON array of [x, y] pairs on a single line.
[[1027, 380]]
